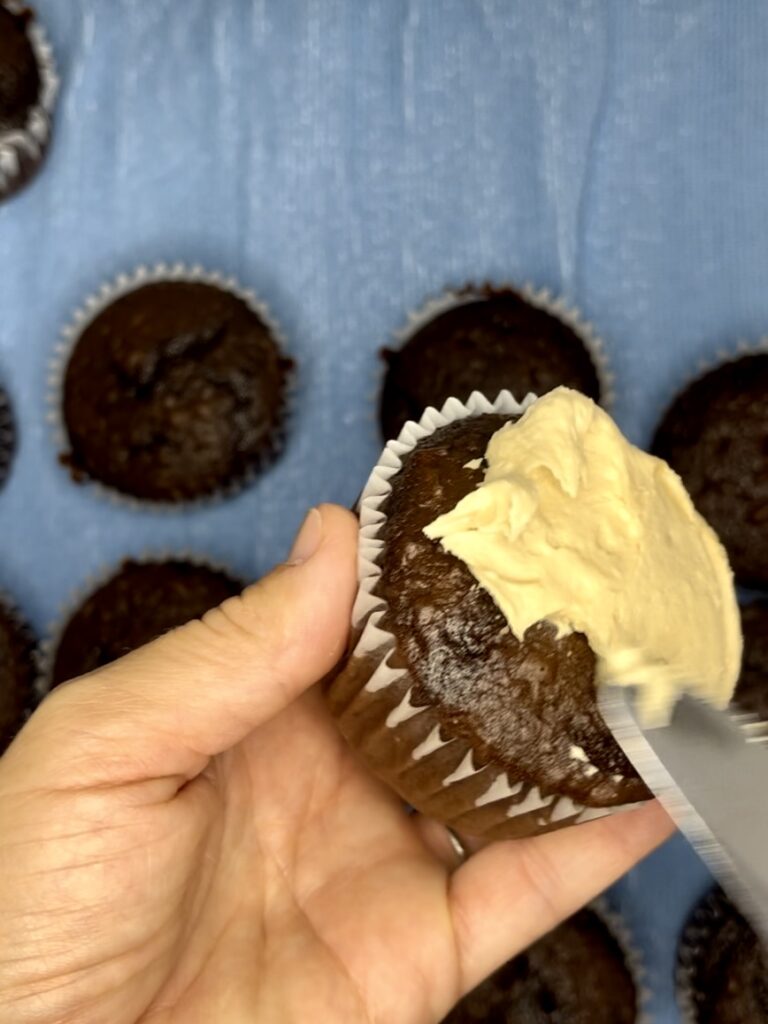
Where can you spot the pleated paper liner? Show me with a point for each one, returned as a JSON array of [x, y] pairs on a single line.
[[540, 298], [407, 745], [99, 301], [23, 149], [95, 581], [622, 933], [7, 436], [711, 913]]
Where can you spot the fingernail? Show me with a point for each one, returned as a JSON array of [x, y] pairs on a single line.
[[307, 539]]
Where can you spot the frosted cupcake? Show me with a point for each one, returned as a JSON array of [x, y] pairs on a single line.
[[510, 562]]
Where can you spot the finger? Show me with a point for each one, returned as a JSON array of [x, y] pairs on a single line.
[[512, 892], [440, 841], [165, 709]]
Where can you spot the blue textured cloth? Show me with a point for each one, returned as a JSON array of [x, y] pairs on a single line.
[[345, 159]]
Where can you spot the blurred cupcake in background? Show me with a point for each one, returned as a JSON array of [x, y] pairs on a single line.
[[171, 386], [130, 607], [28, 88], [715, 435], [489, 338]]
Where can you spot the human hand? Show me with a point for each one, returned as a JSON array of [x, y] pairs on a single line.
[[185, 837]]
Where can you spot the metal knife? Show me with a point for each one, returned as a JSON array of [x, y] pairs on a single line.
[[710, 770]]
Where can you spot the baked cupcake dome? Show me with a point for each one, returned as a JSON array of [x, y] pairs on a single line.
[[174, 391], [576, 974], [523, 753], [486, 339], [715, 435], [17, 672], [723, 967], [142, 600]]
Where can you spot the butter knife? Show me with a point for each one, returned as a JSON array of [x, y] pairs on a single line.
[[709, 769]]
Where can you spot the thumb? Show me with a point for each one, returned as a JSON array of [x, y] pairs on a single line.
[[166, 708]]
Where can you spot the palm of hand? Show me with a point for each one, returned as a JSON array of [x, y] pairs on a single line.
[[148, 878], [283, 882]]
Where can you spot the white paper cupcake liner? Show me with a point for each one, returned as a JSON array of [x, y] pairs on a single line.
[[371, 698], [22, 149], [541, 298], [92, 307], [622, 933], [49, 645]]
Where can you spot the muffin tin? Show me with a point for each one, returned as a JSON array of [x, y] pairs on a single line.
[[344, 191]]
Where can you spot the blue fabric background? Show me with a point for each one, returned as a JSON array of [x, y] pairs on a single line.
[[345, 159]]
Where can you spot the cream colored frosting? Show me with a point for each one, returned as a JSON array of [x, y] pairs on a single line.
[[576, 526]]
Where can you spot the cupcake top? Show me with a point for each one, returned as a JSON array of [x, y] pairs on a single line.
[[17, 673], [140, 602], [574, 526], [724, 966], [488, 340], [527, 704], [715, 435], [175, 391], [752, 688], [576, 974], [19, 71]]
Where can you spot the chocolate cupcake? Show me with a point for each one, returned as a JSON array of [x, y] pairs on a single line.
[[577, 974], [488, 339], [486, 724], [7, 436], [28, 86], [174, 389], [17, 672], [141, 601], [715, 435], [752, 688], [722, 967]]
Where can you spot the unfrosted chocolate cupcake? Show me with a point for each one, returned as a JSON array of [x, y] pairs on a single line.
[[715, 435], [723, 967], [752, 688], [140, 602], [17, 672], [487, 340], [27, 90], [174, 391], [577, 974], [494, 736]]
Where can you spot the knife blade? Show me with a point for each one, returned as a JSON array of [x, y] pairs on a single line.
[[710, 770]]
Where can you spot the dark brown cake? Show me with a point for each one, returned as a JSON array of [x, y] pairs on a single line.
[[715, 435], [495, 341], [140, 602], [19, 71], [26, 96], [723, 967], [752, 688], [528, 709], [17, 673], [176, 391], [575, 975], [7, 436]]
